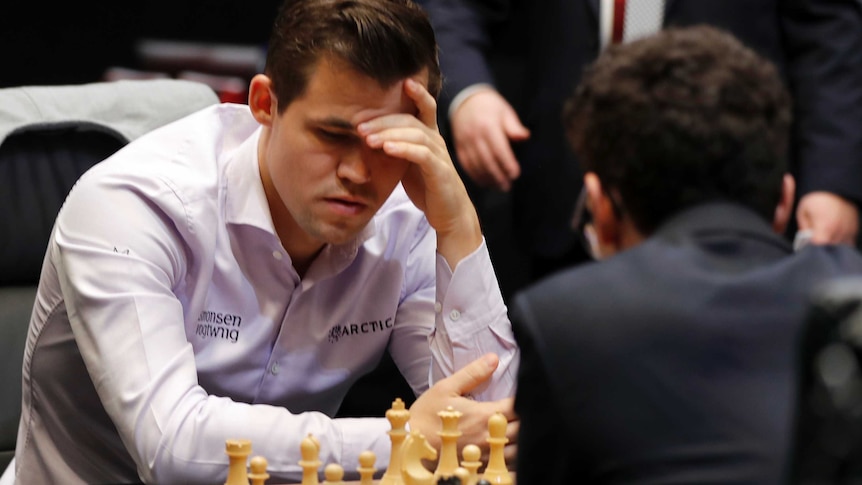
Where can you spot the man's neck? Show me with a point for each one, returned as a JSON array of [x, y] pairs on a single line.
[[299, 246], [629, 235]]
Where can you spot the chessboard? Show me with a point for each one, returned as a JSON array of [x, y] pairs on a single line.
[[405, 466]]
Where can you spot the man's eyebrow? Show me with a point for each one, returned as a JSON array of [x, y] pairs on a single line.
[[334, 122]]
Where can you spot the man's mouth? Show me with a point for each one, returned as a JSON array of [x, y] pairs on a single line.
[[346, 206]]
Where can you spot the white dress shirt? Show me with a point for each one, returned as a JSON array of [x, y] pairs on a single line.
[[169, 318]]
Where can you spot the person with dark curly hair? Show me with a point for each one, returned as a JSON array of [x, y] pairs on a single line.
[[672, 359], [509, 65]]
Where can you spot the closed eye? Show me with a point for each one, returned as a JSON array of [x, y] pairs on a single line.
[[335, 136]]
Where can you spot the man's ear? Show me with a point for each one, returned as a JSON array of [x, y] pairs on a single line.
[[784, 209], [261, 100], [605, 219]]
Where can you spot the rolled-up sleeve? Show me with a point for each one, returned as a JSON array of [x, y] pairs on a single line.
[[470, 321]]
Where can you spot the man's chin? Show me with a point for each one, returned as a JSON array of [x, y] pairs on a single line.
[[341, 234]]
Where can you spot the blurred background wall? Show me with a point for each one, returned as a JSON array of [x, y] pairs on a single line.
[[69, 42]]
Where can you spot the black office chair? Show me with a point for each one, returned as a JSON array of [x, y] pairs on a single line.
[[49, 136], [828, 438]]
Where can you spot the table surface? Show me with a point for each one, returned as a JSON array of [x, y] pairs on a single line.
[[376, 482]]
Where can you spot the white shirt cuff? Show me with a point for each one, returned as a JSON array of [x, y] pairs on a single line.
[[465, 93]]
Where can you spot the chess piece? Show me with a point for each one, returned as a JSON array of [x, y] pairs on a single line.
[[310, 450], [258, 474], [471, 462], [413, 451], [482, 481], [449, 449], [237, 452], [453, 480], [398, 416], [366, 467], [496, 471], [463, 475], [333, 474]]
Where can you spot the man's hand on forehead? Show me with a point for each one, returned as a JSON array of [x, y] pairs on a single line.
[[431, 182]]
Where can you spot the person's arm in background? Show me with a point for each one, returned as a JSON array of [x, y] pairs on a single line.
[[483, 123], [823, 40]]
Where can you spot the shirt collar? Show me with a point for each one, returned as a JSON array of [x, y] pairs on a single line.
[[245, 200], [720, 217]]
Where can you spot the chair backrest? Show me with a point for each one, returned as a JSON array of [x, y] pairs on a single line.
[[49, 136], [828, 438]]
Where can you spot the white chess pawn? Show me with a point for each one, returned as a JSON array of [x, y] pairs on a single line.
[[258, 474], [471, 462], [496, 471], [366, 467], [333, 474], [463, 476]]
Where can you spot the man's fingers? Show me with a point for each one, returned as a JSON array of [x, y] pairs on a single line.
[[471, 159], [471, 375], [505, 157], [514, 128], [425, 103], [510, 454], [489, 166], [512, 429], [831, 219]]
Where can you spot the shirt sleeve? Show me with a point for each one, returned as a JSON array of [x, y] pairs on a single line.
[[463, 34], [470, 321], [121, 264], [825, 77], [460, 316]]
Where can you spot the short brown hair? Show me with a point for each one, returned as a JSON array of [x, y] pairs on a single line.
[[687, 116], [387, 40]]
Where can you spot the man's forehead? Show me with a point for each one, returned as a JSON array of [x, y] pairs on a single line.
[[341, 97]]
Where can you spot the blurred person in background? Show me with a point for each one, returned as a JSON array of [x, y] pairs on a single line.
[[508, 65]]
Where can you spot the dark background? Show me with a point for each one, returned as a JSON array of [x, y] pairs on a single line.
[[71, 42]]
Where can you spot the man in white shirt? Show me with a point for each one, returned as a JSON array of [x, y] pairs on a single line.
[[230, 275]]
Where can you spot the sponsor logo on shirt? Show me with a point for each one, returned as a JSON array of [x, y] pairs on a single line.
[[218, 325], [349, 329]]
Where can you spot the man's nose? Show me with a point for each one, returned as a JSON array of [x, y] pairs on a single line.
[[355, 165]]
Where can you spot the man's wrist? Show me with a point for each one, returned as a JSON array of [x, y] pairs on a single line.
[[459, 241], [464, 94]]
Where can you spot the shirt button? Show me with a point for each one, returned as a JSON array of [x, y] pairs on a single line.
[[277, 255], [274, 369], [438, 307], [454, 314]]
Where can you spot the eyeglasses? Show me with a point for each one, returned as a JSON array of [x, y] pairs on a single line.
[[582, 223]]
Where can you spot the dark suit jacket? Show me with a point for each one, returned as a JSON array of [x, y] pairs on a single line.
[[535, 51], [672, 362]]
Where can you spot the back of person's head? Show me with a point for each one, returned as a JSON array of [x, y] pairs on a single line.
[[386, 40], [687, 116]]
